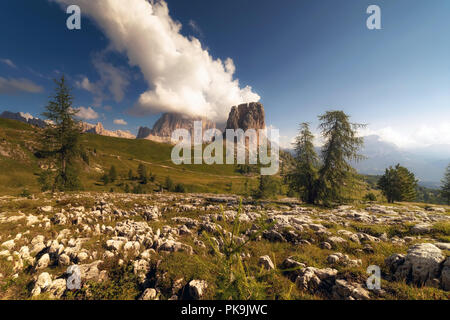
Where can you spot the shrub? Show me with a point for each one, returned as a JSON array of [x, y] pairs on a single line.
[[25, 193], [180, 188], [370, 197], [268, 187], [168, 184]]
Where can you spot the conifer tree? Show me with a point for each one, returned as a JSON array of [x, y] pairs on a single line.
[[112, 174], [142, 173], [130, 175], [398, 184], [336, 176], [303, 179], [445, 189], [60, 140]]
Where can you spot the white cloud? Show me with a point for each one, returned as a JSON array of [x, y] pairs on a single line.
[[8, 62], [86, 85], [413, 137], [195, 27], [87, 113], [182, 76], [112, 78], [12, 86], [26, 115], [120, 122]]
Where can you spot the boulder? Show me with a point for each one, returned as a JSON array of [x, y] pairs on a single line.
[[8, 244], [149, 294], [421, 265], [421, 228], [43, 282], [43, 262], [46, 209], [64, 260], [266, 263], [343, 290], [197, 289], [57, 288], [312, 279], [445, 275], [91, 272]]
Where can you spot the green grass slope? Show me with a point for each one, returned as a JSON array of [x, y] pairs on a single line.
[[19, 166]]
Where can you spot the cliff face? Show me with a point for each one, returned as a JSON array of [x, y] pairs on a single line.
[[169, 122], [247, 116], [143, 132]]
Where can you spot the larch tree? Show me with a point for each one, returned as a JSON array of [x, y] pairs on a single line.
[[337, 177], [303, 178]]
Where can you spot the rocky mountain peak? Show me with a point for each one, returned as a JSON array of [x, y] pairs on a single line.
[[169, 122], [247, 116]]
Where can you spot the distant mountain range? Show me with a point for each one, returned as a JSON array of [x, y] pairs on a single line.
[[427, 163], [24, 117], [86, 127]]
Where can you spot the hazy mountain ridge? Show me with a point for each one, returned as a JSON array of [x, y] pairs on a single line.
[[427, 163]]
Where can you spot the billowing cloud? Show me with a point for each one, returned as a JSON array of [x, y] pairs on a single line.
[[120, 122], [182, 76], [8, 62], [12, 86], [87, 113]]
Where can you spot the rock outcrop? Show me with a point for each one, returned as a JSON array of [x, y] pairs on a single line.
[[422, 265], [247, 116], [169, 122]]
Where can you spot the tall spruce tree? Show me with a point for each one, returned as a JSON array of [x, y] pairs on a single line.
[[336, 176], [398, 184], [445, 189], [303, 179], [60, 140]]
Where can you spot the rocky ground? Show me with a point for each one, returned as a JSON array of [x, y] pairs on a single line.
[[160, 246]]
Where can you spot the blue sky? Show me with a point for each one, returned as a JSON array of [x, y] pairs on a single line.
[[301, 57]]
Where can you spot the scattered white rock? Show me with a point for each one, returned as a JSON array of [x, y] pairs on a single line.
[[266, 263], [197, 289]]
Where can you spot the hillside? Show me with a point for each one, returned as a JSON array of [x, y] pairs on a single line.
[[20, 166]]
